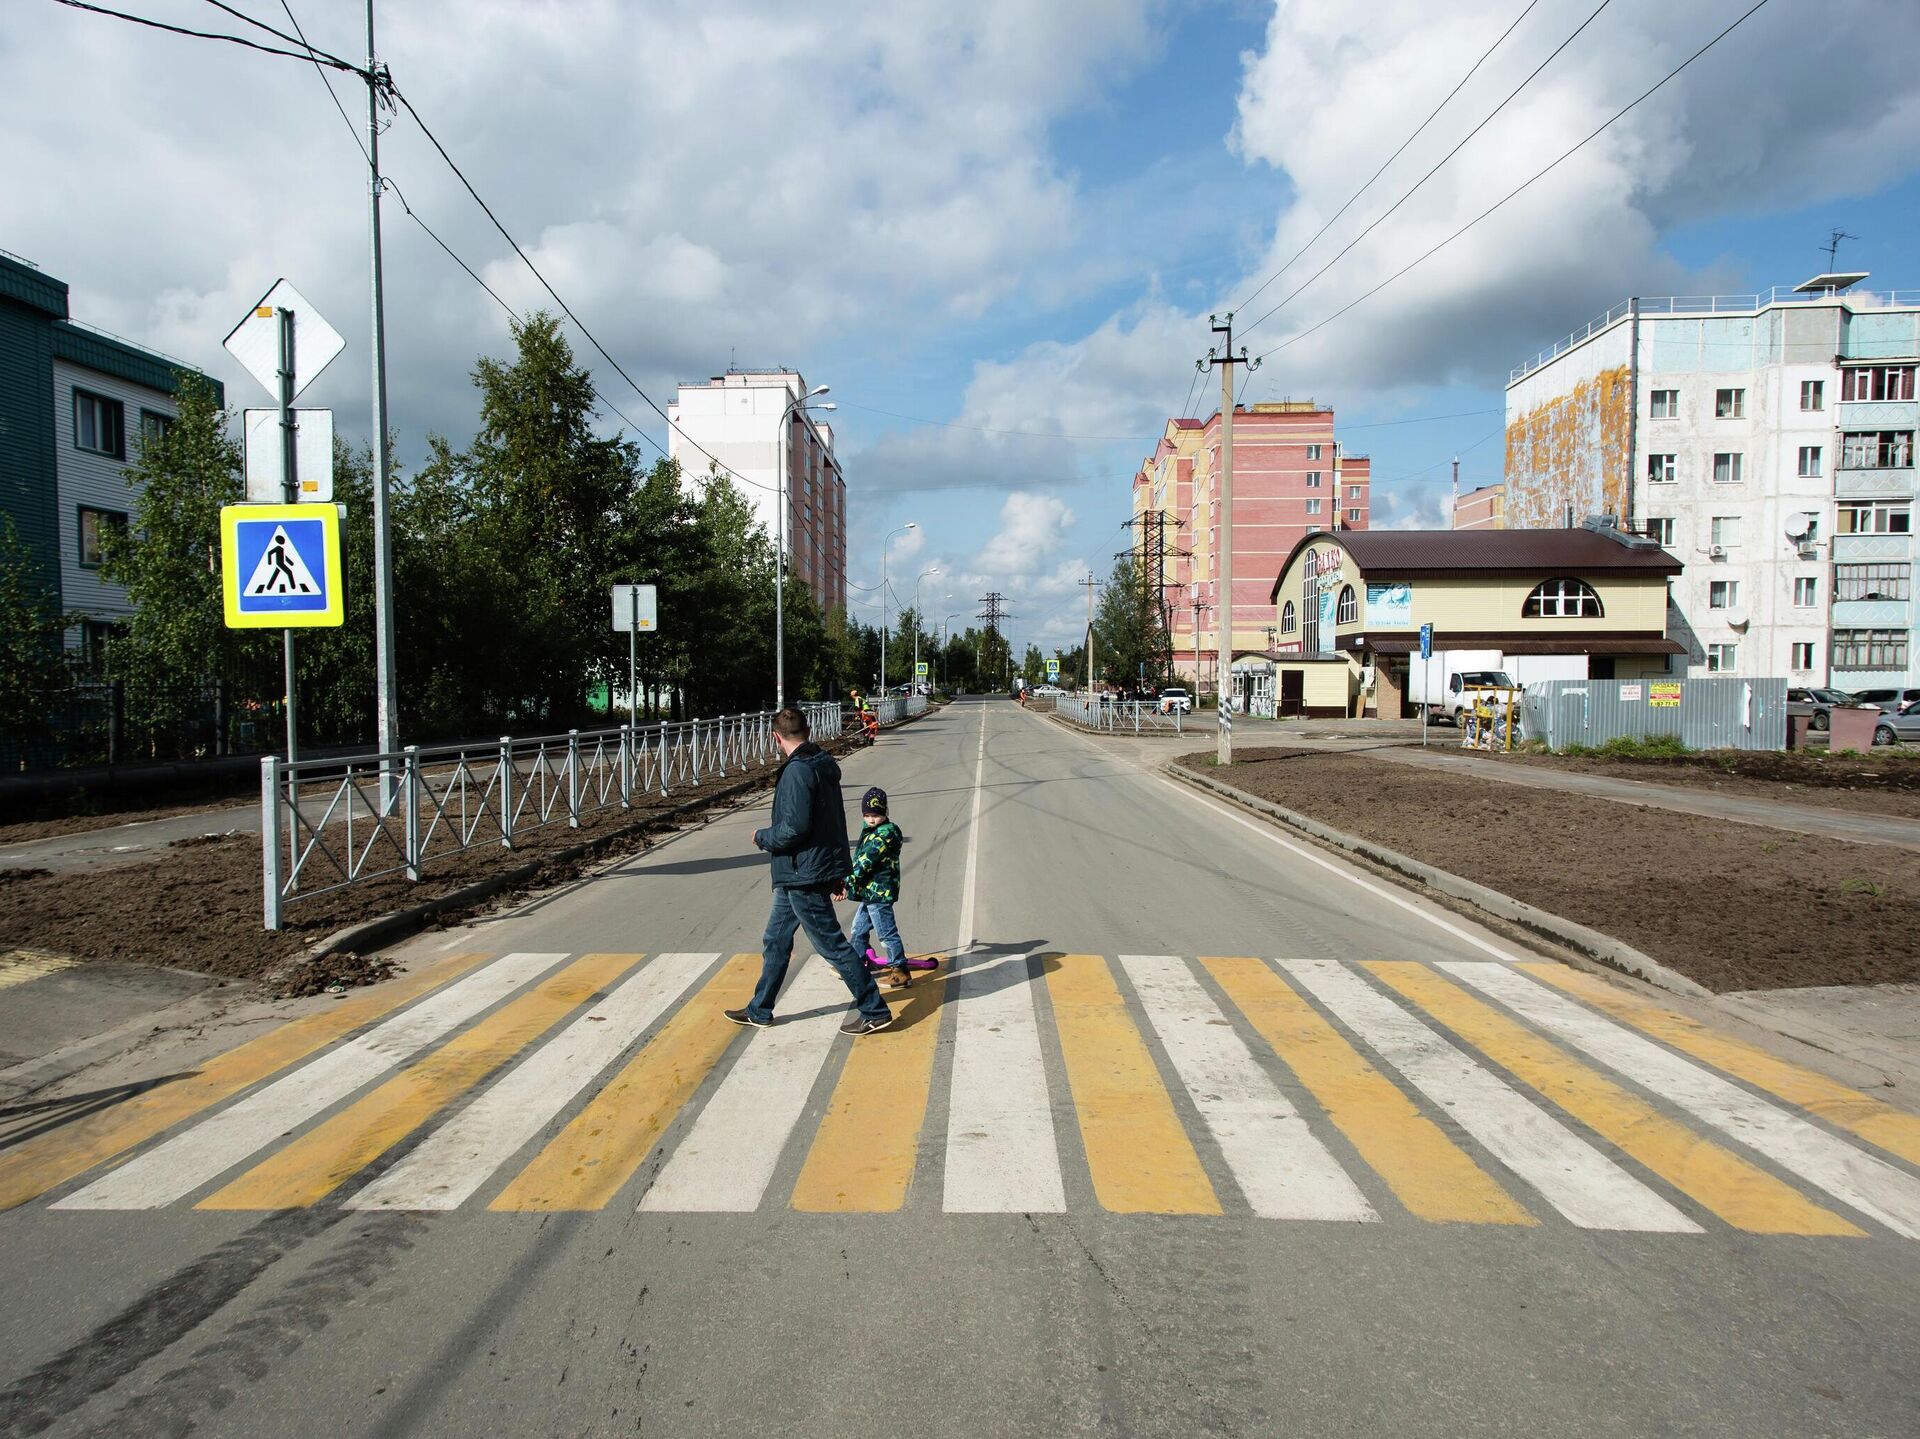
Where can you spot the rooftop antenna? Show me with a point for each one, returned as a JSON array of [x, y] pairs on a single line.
[[1833, 245]]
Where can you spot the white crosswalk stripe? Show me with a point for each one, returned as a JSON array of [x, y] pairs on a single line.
[[446, 1170], [1002, 1154], [200, 1154], [1583, 1184]]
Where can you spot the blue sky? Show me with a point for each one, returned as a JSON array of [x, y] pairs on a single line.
[[1009, 218]]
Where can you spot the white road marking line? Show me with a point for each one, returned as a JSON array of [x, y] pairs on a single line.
[[726, 1160], [1851, 1175], [1582, 1183], [966, 936], [1002, 1156], [1284, 1172], [193, 1158], [445, 1171]]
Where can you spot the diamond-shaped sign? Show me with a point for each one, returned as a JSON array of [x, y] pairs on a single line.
[[255, 341]]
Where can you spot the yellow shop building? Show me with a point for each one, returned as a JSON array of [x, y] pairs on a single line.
[[1583, 603]]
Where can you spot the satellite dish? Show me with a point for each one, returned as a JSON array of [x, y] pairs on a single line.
[[1798, 527]]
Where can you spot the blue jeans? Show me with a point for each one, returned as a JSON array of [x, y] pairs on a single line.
[[811, 908], [876, 917]]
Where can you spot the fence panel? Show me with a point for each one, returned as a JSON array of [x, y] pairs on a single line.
[[1705, 713]]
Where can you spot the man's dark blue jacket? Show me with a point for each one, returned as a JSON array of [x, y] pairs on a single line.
[[808, 836]]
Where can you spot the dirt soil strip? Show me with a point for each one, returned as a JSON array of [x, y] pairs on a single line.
[[1728, 905], [197, 906], [1878, 784]]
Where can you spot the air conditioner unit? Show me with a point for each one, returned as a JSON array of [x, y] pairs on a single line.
[[1716, 552], [1809, 550]]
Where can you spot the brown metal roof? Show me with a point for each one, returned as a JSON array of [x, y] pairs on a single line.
[[1386, 552]]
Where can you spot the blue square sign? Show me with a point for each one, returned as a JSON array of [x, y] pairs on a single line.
[[280, 566]]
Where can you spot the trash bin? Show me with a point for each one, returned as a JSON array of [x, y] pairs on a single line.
[[1853, 728], [1798, 728]]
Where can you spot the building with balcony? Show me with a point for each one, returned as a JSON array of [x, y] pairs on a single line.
[[735, 419], [75, 405], [1768, 441], [1291, 478]]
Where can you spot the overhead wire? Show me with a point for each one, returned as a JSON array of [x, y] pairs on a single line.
[[324, 58]]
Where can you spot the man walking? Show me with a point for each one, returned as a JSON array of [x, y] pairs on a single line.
[[808, 842]]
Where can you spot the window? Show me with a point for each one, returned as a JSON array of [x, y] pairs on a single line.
[[1563, 599], [1353, 492], [1289, 618], [1813, 527], [96, 641], [1723, 594], [1803, 655], [1666, 404], [1313, 452], [1313, 479], [1661, 533], [1662, 469], [1721, 658], [1813, 394], [1870, 649], [1810, 462], [153, 425], [1873, 582], [1726, 530], [1806, 592], [1347, 612], [1353, 517], [1309, 611], [1877, 382], [1874, 519], [96, 425], [93, 525], [1876, 450], [1313, 507], [1729, 404], [1726, 467]]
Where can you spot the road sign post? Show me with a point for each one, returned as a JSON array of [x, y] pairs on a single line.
[[1426, 671], [636, 608]]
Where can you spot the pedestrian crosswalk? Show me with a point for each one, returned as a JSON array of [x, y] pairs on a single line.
[[1301, 1089]]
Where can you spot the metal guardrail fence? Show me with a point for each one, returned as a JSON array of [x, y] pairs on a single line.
[[1705, 713], [1117, 716], [328, 823]]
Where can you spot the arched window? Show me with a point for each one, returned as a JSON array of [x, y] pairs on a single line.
[[1349, 610], [1289, 618], [1563, 599]]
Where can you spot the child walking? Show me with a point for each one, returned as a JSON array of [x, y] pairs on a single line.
[[874, 884]]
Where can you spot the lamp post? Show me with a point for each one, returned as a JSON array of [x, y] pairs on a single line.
[[909, 525], [946, 646], [795, 405], [919, 621]]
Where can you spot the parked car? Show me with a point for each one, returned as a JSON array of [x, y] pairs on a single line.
[[1900, 701], [1819, 703], [1898, 728], [1174, 698]]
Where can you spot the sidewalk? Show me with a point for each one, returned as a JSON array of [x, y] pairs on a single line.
[[1773, 814], [132, 843]]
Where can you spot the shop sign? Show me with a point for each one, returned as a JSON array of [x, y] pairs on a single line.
[[1664, 696], [1630, 694], [1389, 605]]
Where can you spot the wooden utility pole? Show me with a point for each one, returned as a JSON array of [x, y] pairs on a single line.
[[1222, 357]]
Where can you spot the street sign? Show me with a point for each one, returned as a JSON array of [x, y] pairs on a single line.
[[266, 456], [1053, 670], [255, 341], [280, 566], [1426, 642], [920, 670], [635, 609]]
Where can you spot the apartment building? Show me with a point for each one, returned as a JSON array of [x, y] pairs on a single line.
[[1291, 478], [1484, 508], [75, 404], [1767, 441], [735, 419]]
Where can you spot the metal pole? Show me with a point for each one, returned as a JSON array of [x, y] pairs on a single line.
[[633, 654], [386, 690], [270, 839], [780, 560], [290, 492], [1223, 680], [883, 616]]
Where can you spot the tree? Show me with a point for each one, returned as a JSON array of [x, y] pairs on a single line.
[[1126, 627], [33, 664]]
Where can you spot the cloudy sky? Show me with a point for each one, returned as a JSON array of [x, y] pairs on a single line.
[[995, 229]]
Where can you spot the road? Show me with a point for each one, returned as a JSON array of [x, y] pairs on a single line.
[[1206, 1133]]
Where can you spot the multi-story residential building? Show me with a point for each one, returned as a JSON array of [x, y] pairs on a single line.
[[1484, 508], [75, 404], [735, 419], [1291, 477], [1767, 440]]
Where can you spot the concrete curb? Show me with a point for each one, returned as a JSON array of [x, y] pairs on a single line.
[[1596, 946]]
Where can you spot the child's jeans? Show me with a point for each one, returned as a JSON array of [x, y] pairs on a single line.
[[876, 918]]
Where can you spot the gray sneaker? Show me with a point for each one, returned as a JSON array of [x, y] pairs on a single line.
[[857, 1023]]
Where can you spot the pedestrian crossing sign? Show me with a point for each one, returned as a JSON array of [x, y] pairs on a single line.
[[280, 566]]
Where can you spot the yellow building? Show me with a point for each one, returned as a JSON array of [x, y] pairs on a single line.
[[1542, 604]]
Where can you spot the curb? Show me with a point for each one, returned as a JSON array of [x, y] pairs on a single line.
[[1603, 949]]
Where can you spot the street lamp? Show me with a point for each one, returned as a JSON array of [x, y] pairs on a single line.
[[919, 621], [909, 525], [795, 405], [946, 645]]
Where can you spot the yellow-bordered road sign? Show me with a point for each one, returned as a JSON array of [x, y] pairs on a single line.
[[280, 566]]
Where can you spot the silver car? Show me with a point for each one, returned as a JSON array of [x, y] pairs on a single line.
[[1819, 703], [1901, 701], [1900, 728]]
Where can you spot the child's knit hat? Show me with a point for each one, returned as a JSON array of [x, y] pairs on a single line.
[[874, 801]]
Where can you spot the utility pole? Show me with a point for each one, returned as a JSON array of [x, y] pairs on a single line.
[[994, 612], [1222, 357], [1090, 584], [386, 697]]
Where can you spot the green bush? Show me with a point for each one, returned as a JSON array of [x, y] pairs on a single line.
[[1661, 746]]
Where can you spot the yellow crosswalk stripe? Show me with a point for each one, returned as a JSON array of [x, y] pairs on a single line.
[[39, 1164], [1432, 1176], [317, 1163], [1141, 1159], [863, 1155], [17, 966], [586, 1164], [1892, 1129], [1741, 1193]]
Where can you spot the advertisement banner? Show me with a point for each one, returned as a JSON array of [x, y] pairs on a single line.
[[1329, 613], [1664, 696], [1389, 604]]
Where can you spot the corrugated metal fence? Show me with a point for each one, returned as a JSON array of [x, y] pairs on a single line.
[[1703, 713]]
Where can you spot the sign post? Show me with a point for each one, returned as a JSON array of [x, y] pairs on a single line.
[[635, 609], [1426, 669]]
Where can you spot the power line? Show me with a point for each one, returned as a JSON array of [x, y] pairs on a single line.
[[323, 58], [320, 70], [1516, 190], [246, 19], [1418, 131], [1435, 170]]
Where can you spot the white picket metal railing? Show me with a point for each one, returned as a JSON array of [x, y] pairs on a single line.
[[1116, 716]]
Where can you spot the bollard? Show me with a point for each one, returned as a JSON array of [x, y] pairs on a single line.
[[506, 791], [410, 778], [270, 838], [665, 750], [573, 779]]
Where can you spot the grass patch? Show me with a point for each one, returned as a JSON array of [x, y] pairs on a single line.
[[1660, 746]]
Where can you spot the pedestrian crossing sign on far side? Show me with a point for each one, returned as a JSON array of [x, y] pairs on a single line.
[[280, 566]]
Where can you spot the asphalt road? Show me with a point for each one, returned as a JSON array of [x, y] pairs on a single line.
[[1208, 1134]]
